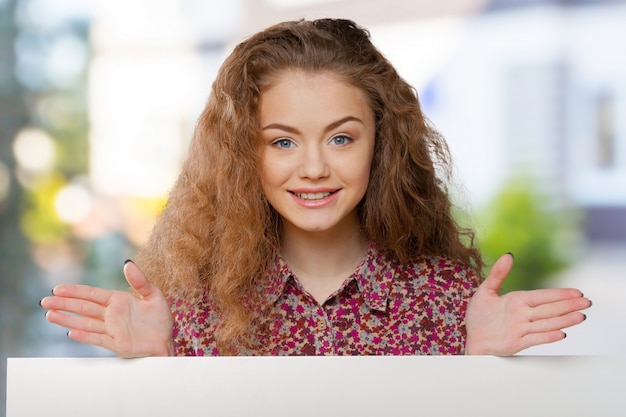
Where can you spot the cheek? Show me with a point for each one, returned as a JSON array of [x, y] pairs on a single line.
[[275, 171], [272, 179], [268, 194], [265, 171], [360, 176], [366, 168], [266, 182], [365, 179]]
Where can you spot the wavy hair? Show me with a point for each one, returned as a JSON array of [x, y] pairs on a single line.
[[218, 232]]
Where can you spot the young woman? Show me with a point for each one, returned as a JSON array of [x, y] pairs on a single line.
[[311, 217]]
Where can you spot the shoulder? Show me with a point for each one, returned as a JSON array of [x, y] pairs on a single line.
[[438, 273], [194, 310], [195, 321]]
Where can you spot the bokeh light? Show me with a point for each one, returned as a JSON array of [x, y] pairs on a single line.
[[34, 150], [73, 203]]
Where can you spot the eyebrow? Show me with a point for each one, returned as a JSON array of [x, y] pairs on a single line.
[[330, 127]]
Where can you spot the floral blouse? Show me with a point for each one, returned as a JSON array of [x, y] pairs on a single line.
[[383, 308]]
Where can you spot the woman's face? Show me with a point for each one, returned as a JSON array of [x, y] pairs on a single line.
[[318, 142]]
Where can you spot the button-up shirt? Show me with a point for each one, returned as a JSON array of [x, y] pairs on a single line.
[[383, 308]]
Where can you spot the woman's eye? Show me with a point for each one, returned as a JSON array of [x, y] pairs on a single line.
[[284, 143], [340, 140]]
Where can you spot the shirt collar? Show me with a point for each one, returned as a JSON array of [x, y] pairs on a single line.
[[373, 276]]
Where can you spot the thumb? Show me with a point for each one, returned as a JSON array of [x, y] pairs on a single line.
[[498, 273], [137, 280]]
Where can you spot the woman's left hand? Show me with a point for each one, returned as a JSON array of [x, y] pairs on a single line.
[[503, 325]]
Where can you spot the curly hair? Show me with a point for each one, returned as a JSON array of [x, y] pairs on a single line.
[[218, 232]]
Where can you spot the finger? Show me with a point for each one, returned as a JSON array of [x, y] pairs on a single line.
[[75, 322], [74, 306], [83, 292], [535, 339], [498, 273], [96, 339], [556, 323], [551, 295], [559, 308], [137, 280]]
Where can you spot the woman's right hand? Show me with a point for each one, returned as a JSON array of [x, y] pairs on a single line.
[[130, 325]]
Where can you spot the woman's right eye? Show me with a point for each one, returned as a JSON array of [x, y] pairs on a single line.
[[284, 143]]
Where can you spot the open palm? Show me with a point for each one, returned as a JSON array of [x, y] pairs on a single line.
[[129, 324], [506, 324]]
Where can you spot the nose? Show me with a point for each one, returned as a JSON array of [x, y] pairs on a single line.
[[314, 164]]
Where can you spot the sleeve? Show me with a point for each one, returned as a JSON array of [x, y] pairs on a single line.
[[194, 327], [466, 286], [442, 306], [181, 335]]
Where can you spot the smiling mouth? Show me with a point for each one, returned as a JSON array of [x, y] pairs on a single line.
[[313, 196]]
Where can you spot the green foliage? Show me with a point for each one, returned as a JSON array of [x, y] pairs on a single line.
[[518, 221]]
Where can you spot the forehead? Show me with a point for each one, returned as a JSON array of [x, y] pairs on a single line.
[[321, 92]]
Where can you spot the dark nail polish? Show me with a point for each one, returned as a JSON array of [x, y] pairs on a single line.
[[68, 333], [511, 253], [127, 261], [40, 303], [52, 291], [584, 317], [564, 335]]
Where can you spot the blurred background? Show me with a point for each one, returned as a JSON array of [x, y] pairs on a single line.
[[98, 99]]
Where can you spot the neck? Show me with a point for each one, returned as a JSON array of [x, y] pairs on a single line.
[[322, 261]]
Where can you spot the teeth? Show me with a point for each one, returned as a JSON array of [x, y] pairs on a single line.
[[312, 196]]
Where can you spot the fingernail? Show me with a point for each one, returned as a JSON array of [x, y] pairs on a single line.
[[584, 317], [52, 291], [40, 302], [511, 253], [68, 333], [564, 335], [127, 261]]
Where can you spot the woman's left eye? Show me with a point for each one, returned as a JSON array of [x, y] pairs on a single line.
[[340, 140]]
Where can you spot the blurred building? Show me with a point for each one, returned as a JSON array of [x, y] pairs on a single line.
[[542, 91]]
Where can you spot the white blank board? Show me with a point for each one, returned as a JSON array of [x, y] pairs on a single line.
[[313, 386]]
